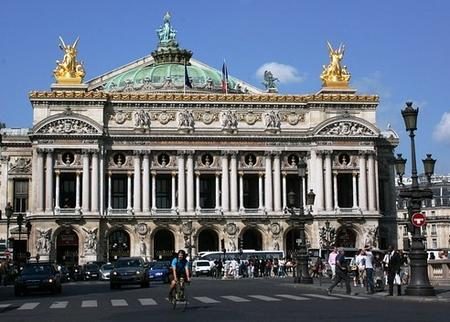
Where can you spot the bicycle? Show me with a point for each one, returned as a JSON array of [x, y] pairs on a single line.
[[180, 294]]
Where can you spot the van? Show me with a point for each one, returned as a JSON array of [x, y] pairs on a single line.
[[201, 267]]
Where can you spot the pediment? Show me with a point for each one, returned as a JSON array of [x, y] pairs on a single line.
[[68, 125], [346, 127]]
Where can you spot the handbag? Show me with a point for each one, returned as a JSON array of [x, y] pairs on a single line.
[[397, 280]]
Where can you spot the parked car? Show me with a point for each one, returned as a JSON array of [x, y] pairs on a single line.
[[105, 271], [159, 271], [129, 270], [38, 277], [201, 267], [91, 272]]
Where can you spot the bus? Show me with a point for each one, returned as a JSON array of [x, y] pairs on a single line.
[[245, 254]]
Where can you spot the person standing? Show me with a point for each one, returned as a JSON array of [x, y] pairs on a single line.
[[369, 259], [332, 262], [394, 265], [341, 273]]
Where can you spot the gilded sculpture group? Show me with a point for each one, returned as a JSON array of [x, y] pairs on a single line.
[[69, 70]]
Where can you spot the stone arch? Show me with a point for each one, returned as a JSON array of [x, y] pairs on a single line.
[[290, 240], [163, 244], [252, 238], [68, 123], [361, 127], [119, 243], [346, 236], [207, 240], [66, 245]]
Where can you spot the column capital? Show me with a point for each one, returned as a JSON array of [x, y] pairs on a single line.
[[129, 174], [47, 150], [146, 153], [173, 173], [362, 153], [355, 173], [218, 173], [284, 173], [189, 153], [181, 153], [153, 173], [197, 173], [261, 174], [233, 153]]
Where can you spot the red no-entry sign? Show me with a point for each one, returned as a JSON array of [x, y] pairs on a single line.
[[418, 219]]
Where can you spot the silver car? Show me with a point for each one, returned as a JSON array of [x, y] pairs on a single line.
[[105, 271]]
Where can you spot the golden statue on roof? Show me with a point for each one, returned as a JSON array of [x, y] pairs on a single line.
[[69, 70], [335, 75]]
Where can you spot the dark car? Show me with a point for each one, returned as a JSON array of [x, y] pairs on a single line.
[[159, 271], [38, 277], [129, 271], [91, 272], [65, 274], [76, 273]]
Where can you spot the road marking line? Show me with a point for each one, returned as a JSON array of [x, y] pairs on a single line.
[[352, 296], [323, 297], [205, 299], [292, 297], [147, 301], [4, 306], [265, 298], [235, 298], [28, 306], [59, 305], [119, 302], [89, 303]]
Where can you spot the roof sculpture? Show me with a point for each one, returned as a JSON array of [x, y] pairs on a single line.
[[335, 75], [69, 70]]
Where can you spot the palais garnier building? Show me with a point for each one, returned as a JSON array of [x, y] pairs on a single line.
[[168, 153]]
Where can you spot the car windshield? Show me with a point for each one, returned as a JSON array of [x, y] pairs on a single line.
[[159, 265], [107, 266], [128, 263], [37, 270], [92, 267], [202, 263]]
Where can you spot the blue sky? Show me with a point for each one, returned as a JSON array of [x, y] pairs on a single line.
[[398, 50]]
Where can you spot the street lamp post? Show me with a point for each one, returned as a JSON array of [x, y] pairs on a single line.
[[419, 284], [28, 227], [8, 213], [20, 223], [299, 220]]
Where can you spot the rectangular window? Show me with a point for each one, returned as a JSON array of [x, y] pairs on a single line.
[[67, 188], [251, 191], [20, 195], [163, 191], [433, 230], [405, 231], [434, 243], [207, 191], [119, 191]]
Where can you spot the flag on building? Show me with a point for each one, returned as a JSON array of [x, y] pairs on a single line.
[[187, 81], [224, 78]]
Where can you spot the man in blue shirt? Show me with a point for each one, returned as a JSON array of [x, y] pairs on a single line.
[[180, 269]]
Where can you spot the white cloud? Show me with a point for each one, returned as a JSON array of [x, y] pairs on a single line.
[[441, 132], [284, 73]]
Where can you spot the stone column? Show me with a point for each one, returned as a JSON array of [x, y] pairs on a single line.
[[40, 181], [181, 182], [217, 190], [268, 182], [371, 183], [376, 180], [109, 191], [284, 190], [102, 180], [197, 190], [85, 182], [4, 196], [49, 181], [129, 193], [190, 181], [336, 202], [225, 182], [277, 182], [260, 191], [146, 183], [319, 173], [137, 182], [57, 190], [77, 193], [94, 182], [174, 190], [154, 190], [328, 180], [362, 181], [354, 188], [241, 190], [233, 182]]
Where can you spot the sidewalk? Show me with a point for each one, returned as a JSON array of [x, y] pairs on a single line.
[[442, 291]]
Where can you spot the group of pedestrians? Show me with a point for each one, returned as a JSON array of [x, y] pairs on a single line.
[[253, 267], [365, 264]]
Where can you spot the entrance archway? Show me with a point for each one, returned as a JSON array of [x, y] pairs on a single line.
[[164, 245], [208, 240], [67, 248], [345, 237], [291, 241], [252, 239], [118, 245]]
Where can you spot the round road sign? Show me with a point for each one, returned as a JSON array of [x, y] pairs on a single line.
[[418, 219]]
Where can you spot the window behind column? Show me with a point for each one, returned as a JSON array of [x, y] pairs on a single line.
[[119, 191], [67, 190], [163, 191], [20, 195], [207, 191], [251, 191]]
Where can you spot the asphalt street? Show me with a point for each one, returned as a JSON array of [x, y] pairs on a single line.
[[217, 300]]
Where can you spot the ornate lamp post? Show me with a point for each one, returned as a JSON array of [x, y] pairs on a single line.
[[299, 220], [419, 284], [8, 213], [28, 227], [20, 223]]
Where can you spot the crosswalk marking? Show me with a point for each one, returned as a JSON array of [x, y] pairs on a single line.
[[89, 303], [265, 298], [28, 306], [4, 306], [59, 305], [146, 302], [119, 302], [323, 297], [352, 296], [292, 297], [205, 299], [235, 298]]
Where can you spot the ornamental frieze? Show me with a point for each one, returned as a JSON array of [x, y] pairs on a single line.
[[68, 126], [20, 166], [346, 128]]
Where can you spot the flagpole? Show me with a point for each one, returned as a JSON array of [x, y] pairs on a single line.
[[184, 81]]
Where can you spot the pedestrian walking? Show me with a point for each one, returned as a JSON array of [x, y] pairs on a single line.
[[332, 261], [394, 266], [341, 273]]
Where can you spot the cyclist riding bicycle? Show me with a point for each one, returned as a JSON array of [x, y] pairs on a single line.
[[179, 269]]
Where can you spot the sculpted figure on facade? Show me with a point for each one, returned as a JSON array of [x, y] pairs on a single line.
[[327, 235], [185, 119], [370, 238], [334, 74], [228, 120], [269, 82], [347, 129], [43, 240], [142, 246], [69, 70], [231, 245], [90, 242], [272, 120], [141, 119], [166, 34]]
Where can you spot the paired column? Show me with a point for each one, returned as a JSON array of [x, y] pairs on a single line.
[[277, 182], [319, 174], [181, 181], [268, 182], [77, 193], [225, 182], [154, 190], [362, 181], [197, 191], [241, 190], [233, 182], [129, 208], [260, 191], [328, 185], [355, 191], [146, 183], [49, 181], [85, 181], [284, 190], [137, 182], [371, 184], [94, 182], [335, 195], [174, 191], [190, 181], [217, 190], [57, 192]]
